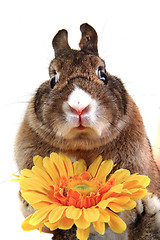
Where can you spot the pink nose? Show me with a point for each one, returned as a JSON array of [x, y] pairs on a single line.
[[79, 110]]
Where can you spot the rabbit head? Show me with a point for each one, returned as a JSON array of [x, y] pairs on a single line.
[[82, 102]]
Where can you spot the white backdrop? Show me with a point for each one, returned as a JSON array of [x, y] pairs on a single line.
[[129, 41]]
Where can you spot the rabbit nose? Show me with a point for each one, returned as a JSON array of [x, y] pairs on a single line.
[[79, 101], [79, 109]]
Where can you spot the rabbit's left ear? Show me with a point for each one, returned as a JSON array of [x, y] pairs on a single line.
[[88, 42]]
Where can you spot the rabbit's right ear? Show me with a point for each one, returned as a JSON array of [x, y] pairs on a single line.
[[60, 42], [88, 42]]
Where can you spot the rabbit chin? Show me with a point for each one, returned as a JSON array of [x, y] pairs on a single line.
[[80, 132]]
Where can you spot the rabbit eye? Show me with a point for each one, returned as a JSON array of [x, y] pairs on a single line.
[[102, 75], [54, 79]]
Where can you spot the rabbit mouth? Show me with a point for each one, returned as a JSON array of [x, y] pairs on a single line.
[[81, 127]]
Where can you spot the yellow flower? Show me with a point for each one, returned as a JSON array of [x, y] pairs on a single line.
[[65, 193]]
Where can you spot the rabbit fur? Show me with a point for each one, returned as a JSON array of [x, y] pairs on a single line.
[[84, 111]]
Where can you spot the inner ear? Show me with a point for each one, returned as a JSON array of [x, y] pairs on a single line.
[[89, 40], [60, 42]]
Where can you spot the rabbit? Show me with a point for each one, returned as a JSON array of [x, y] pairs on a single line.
[[84, 111]]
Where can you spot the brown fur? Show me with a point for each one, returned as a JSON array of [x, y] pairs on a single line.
[[124, 140]]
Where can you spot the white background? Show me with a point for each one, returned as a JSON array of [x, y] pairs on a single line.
[[129, 41]]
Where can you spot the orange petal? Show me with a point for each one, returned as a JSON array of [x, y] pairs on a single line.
[[93, 168], [81, 222], [86, 176], [83, 234], [103, 171], [73, 213], [74, 194], [99, 227], [91, 214], [116, 223], [56, 213], [65, 223], [79, 167]]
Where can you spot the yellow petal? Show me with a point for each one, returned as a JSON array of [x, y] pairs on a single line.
[[91, 214], [104, 203], [52, 226], [73, 212], [115, 207], [28, 173], [81, 222], [120, 176], [130, 184], [68, 164], [35, 197], [56, 213], [14, 180], [104, 216], [39, 205], [104, 169], [15, 175], [51, 170], [138, 194], [38, 161], [116, 223], [79, 167], [43, 175], [28, 227], [99, 227], [40, 215], [115, 189], [142, 180], [65, 223], [130, 205], [93, 168], [33, 184], [121, 203], [83, 234], [57, 160], [121, 200]]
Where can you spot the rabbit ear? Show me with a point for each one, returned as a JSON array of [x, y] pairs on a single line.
[[60, 42], [88, 42]]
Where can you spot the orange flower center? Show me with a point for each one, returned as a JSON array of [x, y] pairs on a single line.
[[84, 187], [81, 191]]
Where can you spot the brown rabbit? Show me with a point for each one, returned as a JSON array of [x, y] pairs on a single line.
[[84, 111]]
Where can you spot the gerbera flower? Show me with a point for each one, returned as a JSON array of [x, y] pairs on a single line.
[[65, 193]]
